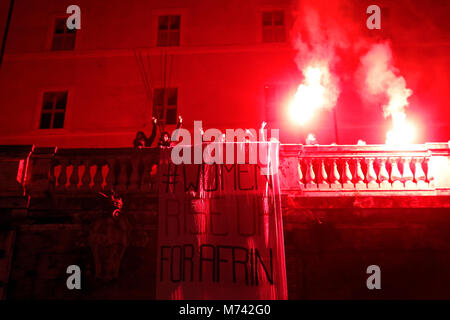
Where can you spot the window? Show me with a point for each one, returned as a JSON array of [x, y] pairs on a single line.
[[63, 38], [53, 110], [273, 26], [168, 31], [165, 105]]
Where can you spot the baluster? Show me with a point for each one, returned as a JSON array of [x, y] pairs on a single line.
[[81, 170], [73, 179], [51, 177], [122, 178], [371, 176], [150, 175], [56, 173], [98, 179], [154, 177], [347, 176], [62, 179], [136, 160], [300, 173], [383, 175], [86, 177], [407, 176], [69, 172], [92, 173], [310, 175], [113, 174], [396, 176], [430, 173], [154, 172], [146, 184], [419, 175], [108, 177], [322, 177], [334, 176], [141, 168], [358, 178]]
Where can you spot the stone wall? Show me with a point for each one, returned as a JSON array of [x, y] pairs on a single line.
[[330, 238], [330, 244]]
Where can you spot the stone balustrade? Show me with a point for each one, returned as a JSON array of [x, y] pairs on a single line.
[[310, 170], [369, 168], [124, 170]]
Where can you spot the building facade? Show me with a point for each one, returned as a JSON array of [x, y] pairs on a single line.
[[134, 60], [72, 101], [230, 64]]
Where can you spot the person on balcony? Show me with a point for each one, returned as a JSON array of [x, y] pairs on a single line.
[[165, 140], [141, 139]]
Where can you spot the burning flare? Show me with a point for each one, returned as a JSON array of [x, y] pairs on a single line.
[[402, 132], [382, 79], [312, 94]]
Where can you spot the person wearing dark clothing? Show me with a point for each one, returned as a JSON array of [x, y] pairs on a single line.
[[141, 139], [165, 140]]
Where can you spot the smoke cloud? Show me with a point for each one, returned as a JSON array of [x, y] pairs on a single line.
[[328, 32], [382, 79], [322, 31]]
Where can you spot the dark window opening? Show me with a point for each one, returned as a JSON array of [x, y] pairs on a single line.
[[165, 104], [273, 26], [63, 37], [53, 110], [168, 31]]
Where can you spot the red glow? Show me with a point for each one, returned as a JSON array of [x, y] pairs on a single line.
[[402, 132], [310, 95]]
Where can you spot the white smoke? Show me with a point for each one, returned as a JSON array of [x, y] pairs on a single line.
[[381, 78]]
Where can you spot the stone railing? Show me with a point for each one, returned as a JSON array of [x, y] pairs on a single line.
[[305, 170], [318, 169], [78, 171]]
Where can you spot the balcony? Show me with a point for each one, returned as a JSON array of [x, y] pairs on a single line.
[[318, 170], [365, 170], [86, 171]]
